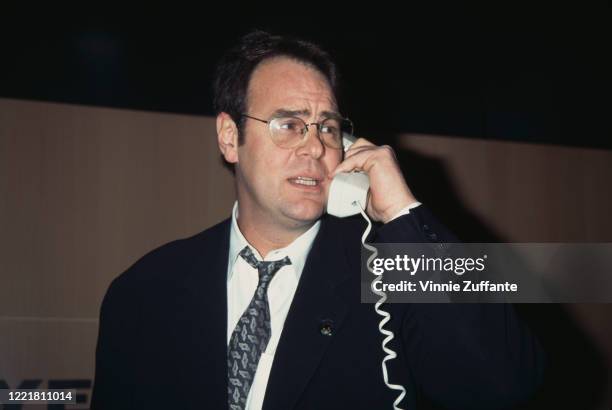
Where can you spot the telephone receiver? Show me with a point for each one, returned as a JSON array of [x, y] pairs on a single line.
[[348, 191]]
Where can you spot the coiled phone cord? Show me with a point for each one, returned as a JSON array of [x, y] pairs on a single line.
[[385, 315]]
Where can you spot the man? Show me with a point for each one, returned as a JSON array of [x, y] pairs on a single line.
[[263, 310]]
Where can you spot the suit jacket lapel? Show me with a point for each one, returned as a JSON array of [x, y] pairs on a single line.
[[315, 305], [207, 300]]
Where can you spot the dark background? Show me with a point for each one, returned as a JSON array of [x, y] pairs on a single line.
[[529, 73]]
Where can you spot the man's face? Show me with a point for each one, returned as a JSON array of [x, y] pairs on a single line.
[[267, 174]]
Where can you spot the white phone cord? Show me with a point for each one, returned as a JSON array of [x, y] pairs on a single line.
[[386, 316]]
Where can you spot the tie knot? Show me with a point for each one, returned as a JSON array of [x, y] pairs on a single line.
[[266, 269]]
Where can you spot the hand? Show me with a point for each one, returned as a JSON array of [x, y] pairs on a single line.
[[389, 192]]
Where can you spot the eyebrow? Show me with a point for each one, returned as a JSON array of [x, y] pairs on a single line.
[[282, 112]]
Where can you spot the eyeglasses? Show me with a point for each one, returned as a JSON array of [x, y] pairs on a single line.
[[289, 132]]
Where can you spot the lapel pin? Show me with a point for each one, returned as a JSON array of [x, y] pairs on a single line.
[[326, 327]]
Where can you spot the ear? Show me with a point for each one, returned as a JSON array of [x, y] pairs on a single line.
[[227, 137]]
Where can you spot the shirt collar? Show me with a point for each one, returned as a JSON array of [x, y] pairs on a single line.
[[297, 250]]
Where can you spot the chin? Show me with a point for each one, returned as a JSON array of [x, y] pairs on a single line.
[[306, 211]]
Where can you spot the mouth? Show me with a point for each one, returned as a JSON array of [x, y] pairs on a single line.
[[309, 183]]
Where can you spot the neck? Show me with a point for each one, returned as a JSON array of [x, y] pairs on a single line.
[[266, 235]]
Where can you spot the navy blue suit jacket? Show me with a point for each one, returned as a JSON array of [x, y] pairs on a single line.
[[163, 337]]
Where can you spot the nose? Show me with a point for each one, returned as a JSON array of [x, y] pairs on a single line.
[[312, 144]]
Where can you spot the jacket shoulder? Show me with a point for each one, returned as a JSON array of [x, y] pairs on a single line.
[[167, 262]]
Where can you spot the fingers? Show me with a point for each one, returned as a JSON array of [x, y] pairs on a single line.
[[359, 145], [361, 157], [359, 160], [353, 163]]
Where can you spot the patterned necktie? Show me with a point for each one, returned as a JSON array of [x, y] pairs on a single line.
[[252, 333]]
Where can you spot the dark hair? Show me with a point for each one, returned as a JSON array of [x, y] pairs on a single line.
[[234, 70]]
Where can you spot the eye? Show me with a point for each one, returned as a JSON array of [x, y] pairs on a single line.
[[329, 129], [330, 126], [289, 125]]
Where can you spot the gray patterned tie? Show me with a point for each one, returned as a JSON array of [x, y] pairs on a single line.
[[252, 333]]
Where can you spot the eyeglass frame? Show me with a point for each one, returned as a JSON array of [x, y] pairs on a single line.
[[306, 125]]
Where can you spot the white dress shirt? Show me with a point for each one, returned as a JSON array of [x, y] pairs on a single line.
[[242, 281]]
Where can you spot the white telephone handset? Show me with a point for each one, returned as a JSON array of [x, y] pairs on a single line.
[[348, 190]]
